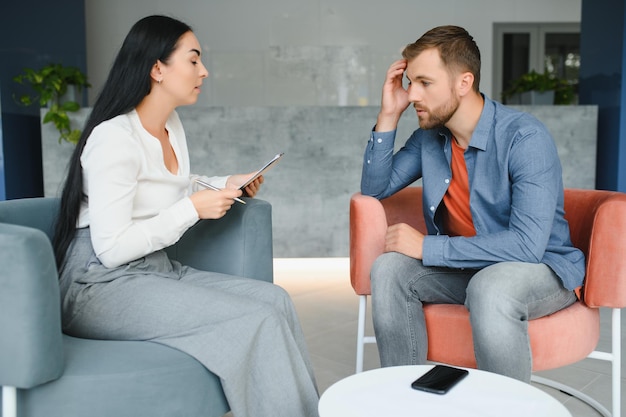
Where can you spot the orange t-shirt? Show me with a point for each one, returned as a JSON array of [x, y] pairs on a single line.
[[457, 216]]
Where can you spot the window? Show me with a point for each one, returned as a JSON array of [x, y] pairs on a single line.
[[522, 47]]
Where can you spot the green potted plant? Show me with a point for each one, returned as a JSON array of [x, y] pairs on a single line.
[[51, 85], [536, 88]]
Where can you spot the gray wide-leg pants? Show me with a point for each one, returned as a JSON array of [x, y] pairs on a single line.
[[243, 330]]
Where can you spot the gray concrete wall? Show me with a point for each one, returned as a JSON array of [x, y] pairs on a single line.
[[310, 188], [308, 52]]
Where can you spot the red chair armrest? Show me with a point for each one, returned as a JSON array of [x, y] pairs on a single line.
[[368, 226]]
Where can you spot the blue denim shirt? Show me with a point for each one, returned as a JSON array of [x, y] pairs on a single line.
[[516, 192]]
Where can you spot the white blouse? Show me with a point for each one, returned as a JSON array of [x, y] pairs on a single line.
[[134, 205]]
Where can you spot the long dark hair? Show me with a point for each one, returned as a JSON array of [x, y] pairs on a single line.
[[150, 39]]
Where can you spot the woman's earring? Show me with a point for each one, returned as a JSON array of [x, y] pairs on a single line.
[[159, 81]]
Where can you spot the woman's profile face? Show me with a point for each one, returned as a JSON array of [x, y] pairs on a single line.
[[182, 75]]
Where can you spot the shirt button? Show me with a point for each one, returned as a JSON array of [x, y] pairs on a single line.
[[380, 140], [432, 208], [447, 180], [369, 162]]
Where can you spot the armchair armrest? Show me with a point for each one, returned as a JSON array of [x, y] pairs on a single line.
[[240, 243], [37, 212], [368, 226], [369, 219], [31, 345]]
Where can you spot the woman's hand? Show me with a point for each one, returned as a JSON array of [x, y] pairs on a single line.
[[214, 204], [235, 181]]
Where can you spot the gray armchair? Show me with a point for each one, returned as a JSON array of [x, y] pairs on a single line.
[[55, 375]]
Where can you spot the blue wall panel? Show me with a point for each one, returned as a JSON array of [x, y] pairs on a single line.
[[603, 57], [32, 35]]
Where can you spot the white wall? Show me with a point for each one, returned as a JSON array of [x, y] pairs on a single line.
[[307, 52]]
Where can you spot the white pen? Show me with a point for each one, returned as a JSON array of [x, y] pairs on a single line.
[[214, 188]]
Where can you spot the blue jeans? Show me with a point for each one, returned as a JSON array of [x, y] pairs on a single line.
[[501, 298]]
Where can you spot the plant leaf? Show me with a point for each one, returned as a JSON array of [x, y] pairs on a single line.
[[70, 106]]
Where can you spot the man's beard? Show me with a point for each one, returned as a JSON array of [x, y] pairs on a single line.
[[438, 117]]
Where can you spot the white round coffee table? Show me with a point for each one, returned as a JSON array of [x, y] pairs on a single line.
[[387, 392]]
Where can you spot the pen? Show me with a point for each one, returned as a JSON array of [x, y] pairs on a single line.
[[214, 188]]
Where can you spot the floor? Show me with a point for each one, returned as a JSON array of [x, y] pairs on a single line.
[[328, 310]]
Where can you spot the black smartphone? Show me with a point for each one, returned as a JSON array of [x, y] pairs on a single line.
[[439, 379]]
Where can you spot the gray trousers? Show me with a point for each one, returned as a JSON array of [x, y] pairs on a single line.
[[243, 330], [501, 298]]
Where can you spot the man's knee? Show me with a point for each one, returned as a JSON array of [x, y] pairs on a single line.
[[391, 267], [494, 281], [496, 291], [383, 265]]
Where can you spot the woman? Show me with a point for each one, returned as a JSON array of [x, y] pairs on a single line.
[[128, 195]]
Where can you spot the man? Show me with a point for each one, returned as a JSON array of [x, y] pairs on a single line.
[[493, 204]]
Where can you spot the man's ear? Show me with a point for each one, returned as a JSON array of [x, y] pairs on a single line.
[[465, 83]]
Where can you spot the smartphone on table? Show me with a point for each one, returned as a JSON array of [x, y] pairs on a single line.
[[439, 379]]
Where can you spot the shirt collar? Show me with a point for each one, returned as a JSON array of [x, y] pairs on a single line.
[[480, 137]]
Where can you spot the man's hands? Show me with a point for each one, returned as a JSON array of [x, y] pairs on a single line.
[[404, 239], [395, 99]]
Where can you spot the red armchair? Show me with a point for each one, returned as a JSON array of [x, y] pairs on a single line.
[[597, 222]]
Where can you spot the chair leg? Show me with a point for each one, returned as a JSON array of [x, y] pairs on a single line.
[[9, 401], [616, 341], [573, 392], [615, 357], [360, 337]]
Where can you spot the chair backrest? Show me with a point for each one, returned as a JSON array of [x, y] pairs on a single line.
[[597, 221], [39, 213], [406, 207]]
